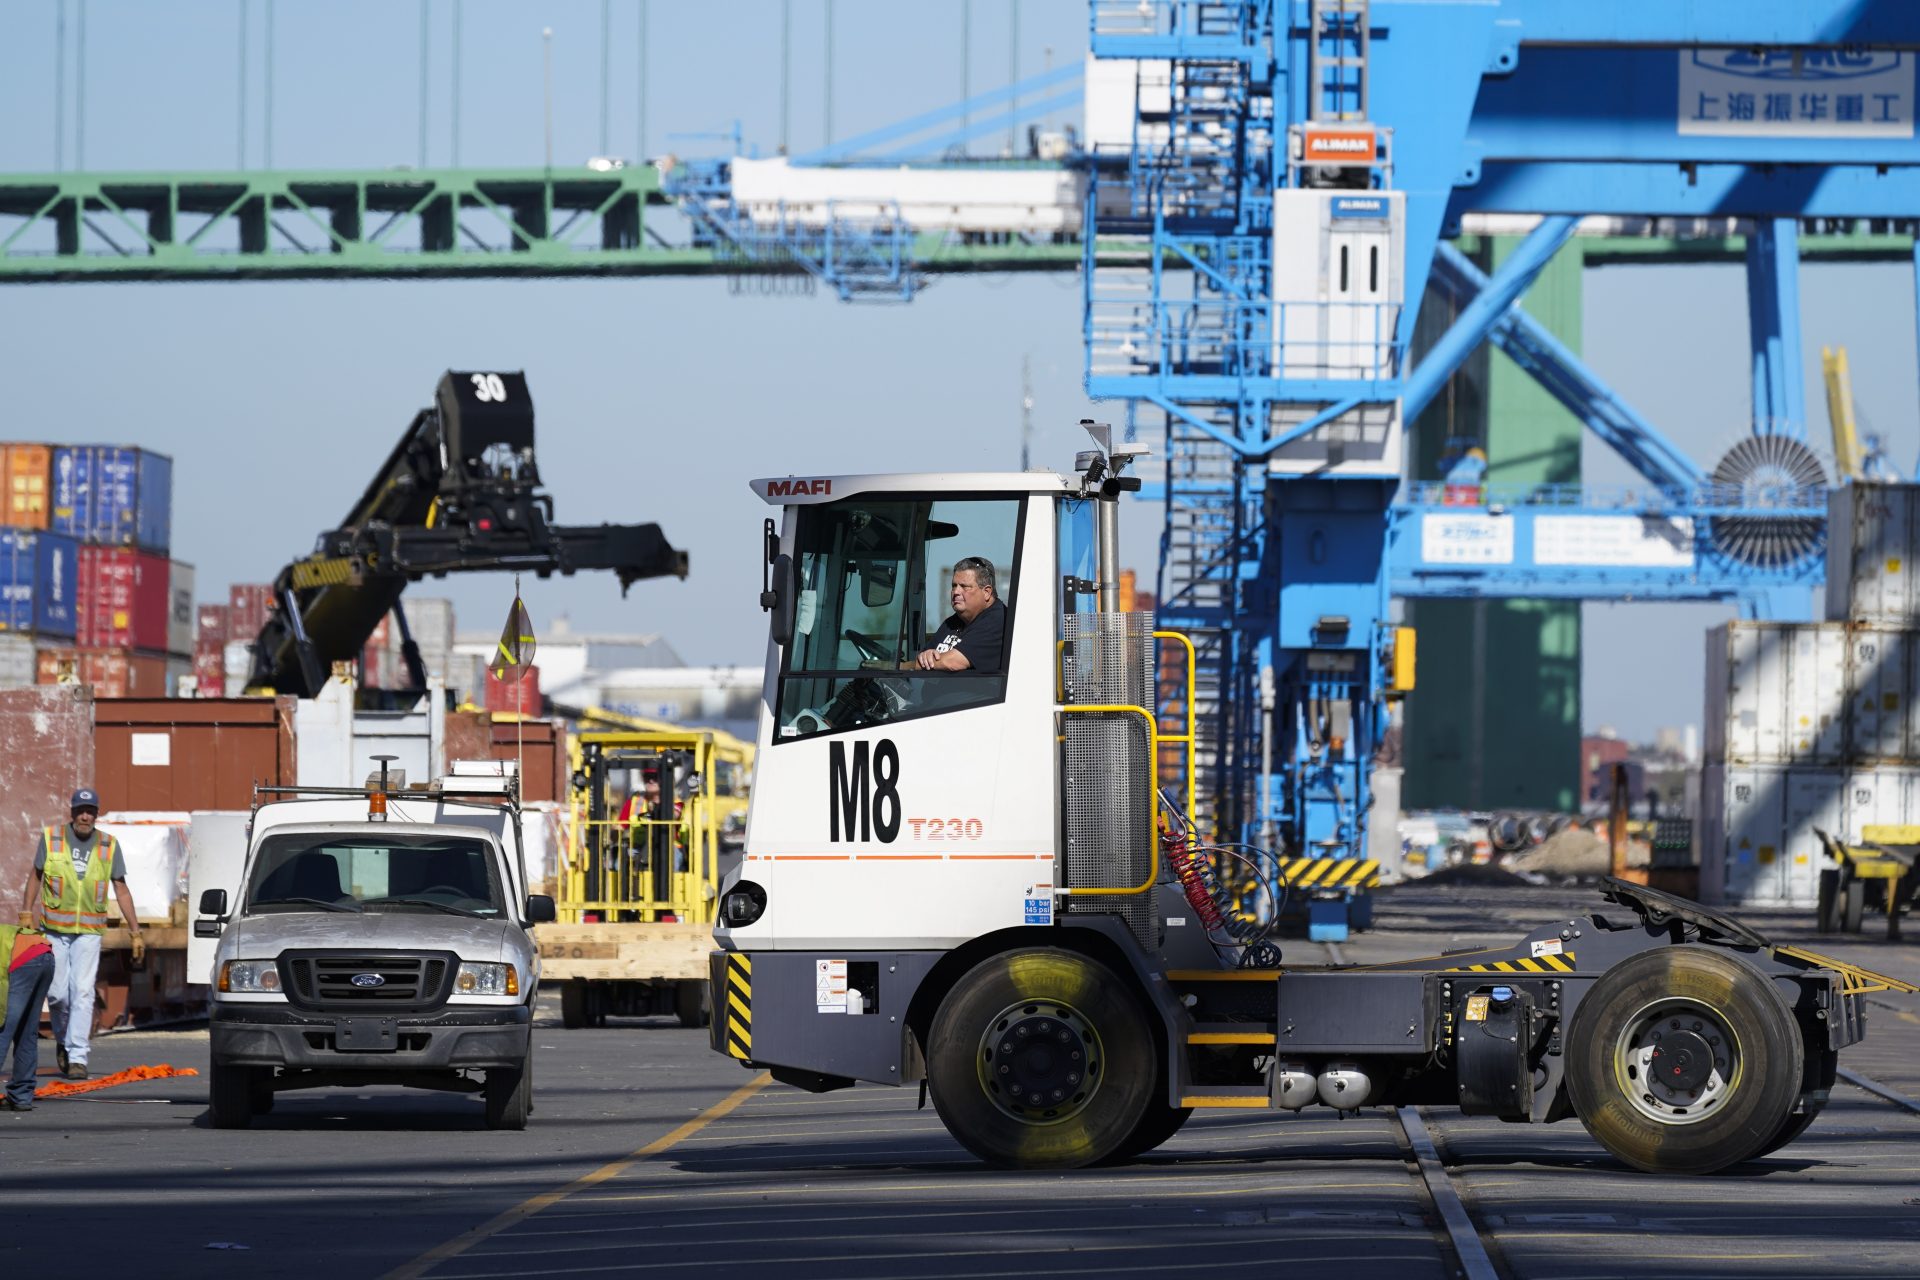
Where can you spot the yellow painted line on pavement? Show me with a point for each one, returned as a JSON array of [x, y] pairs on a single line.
[[547, 1199], [819, 1188]]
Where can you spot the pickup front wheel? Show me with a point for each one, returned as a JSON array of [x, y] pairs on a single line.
[[509, 1094], [230, 1095]]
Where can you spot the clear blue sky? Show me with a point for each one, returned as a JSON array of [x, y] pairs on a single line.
[[658, 399]]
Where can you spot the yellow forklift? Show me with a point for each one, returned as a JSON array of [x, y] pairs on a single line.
[[646, 848]]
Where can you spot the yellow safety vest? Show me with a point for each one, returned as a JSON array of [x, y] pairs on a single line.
[[75, 903]]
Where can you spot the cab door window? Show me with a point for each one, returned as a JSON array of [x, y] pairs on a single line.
[[874, 591]]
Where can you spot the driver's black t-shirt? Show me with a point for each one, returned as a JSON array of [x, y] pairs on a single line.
[[981, 640]]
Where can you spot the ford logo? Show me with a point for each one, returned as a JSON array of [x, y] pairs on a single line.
[[368, 980]]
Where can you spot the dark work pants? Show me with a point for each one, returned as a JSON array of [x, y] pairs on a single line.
[[26, 992]]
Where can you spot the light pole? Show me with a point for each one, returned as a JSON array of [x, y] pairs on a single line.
[[546, 50]]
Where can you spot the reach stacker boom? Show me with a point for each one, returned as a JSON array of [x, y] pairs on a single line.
[[460, 493], [986, 879]]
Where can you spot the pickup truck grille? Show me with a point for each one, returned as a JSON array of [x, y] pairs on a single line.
[[326, 980]]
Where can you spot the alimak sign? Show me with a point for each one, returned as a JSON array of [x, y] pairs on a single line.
[[1340, 146]]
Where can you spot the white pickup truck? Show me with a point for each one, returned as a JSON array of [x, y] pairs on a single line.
[[375, 939]]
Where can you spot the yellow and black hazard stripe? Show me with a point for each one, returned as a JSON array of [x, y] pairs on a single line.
[[737, 1008], [333, 572], [1560, 963], [1331, 873]]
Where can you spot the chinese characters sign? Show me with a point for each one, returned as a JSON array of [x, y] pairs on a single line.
[[1796, 93], [1466, 539]]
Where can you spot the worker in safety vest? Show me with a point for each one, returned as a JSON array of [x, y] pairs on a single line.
[[26, 971], [67, 894]]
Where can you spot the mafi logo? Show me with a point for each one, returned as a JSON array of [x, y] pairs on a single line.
[[1798, 64], [799, 488]]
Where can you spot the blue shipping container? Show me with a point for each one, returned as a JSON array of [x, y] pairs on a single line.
[[39, 577], [113, 496]]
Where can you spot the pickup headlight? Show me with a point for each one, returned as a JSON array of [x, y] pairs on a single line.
[[486, 980], [258, 977]]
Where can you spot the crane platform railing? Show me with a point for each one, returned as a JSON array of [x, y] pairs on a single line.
[[1798, 501]]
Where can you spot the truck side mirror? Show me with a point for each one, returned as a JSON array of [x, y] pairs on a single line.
[[213, 902], [780, 599], [876, 584], [540, 909]]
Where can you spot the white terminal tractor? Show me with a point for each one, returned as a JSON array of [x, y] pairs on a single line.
[[985, 877]]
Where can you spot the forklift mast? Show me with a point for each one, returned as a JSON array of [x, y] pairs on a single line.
[[460, 493]]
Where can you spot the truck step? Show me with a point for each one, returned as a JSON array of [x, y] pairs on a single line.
[[1232, 1033], [1182, 976], [1243, 1097]]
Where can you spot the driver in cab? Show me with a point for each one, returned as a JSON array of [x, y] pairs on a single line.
[[972, 638]]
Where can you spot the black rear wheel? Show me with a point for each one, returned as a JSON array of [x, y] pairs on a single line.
[[691, 1004], [1683, 1060], [573, 1003], [1823, 1069], [1853, 906], [1827, 909], [1041, 1059]]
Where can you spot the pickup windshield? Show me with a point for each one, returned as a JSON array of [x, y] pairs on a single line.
[[423, 873]]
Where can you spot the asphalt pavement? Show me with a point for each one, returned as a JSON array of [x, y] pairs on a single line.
[[649, 1155]]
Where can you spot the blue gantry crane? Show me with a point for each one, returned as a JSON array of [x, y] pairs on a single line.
[[1297, 170], [1297, 177]]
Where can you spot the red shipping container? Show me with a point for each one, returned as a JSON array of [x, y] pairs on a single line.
[[376, 668], [210, 673], [123, 600], [210, 626], [248, 605], [113, 673], [522, 696]]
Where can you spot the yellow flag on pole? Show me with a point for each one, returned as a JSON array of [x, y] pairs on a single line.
[[515, 654]]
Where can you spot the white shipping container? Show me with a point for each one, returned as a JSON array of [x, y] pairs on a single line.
[[155, 850], [1883, 727], [16, 661], [1776, 693], [1886, 795], [1758, 841], [1873, 533], [467, 677], [239, 665], [430, 619], [182, 617]]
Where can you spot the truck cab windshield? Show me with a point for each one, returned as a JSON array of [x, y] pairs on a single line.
[[875, 577], [429, 873]]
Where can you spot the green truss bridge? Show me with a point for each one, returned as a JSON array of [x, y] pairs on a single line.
[[401, 223], [64, 227]]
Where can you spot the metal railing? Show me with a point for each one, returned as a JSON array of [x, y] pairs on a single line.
[[1241, 337]]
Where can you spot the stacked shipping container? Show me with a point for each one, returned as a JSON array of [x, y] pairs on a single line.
[[84, 571], [224, 634], [209, 650], [1814, 725], [430, 622]]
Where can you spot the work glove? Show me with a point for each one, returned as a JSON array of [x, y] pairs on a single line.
[[139, 949]]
